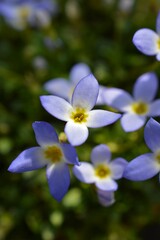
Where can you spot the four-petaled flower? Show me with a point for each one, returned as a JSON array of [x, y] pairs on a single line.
[[148, 41], [102, 172], [64, 88], [51, 153], [78, 114], [137, 108], [146, 165]]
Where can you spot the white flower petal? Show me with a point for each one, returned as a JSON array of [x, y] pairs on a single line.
[[146, 87], [100, 154], [56, 106], [77, 133], [79, 71], [132, 122], [146, 41], [154, 110], [117, 98], [117, 167], [100, 118], [59, 87], [85, 172], [106, 184], [85, 93]]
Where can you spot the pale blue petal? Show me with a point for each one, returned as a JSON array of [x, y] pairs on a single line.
[[152, 134], [85, 172], [76, 133], [70, 154], [85, 93], [45, 134], [117, 167], [56, 106], [59, 87], [58, 179], [132, 122], [146, 87], [106, 184], [100, 154], [106, 198], [28, 160], [100, 99], [158, 56], [101, 118], [154, 109], [141, 168], [79, 71], [146, 41], [117, 98], [158, 23]]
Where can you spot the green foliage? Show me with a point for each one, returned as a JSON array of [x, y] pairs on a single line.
[[100, 34]]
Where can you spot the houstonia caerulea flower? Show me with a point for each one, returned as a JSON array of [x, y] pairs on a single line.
[[106, 198], [51, 153], [148, 41], [19, 14], [146, 165], [102, 172], [79, 114], [137, 108], [64, 87]]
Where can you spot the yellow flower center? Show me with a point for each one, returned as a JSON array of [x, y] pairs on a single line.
[[24, 12], [102, 171], [157, 156], [158, 43], [53, 153], [79, 115], [140, 107]]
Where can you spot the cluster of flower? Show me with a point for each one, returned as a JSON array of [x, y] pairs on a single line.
[[19, 14], [72, 101]]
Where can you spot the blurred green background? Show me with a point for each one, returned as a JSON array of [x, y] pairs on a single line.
[[98, 33]]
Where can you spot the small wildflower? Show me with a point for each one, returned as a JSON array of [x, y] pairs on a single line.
[[51, 153], [102, 172], [146, 165], [147, 41], [78, 113], [137, 108]]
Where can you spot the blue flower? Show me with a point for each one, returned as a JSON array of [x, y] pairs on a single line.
[[146, 165], [78, 113], [64, 88], [51, 153], [137, 108], [101, 171], [148, 41], [21, 13]]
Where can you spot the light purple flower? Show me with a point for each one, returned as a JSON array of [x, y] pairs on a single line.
[[148, 41], [79, 114], [106, 198], [137, 108], [50, 153], [146, 165], [64, 88], [102, 171], [21, 13]]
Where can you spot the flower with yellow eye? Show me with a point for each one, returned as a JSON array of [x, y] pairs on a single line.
[[137, 108], [146, 165], [102, 172], [79, 114], [147, 41], [51, 153]]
